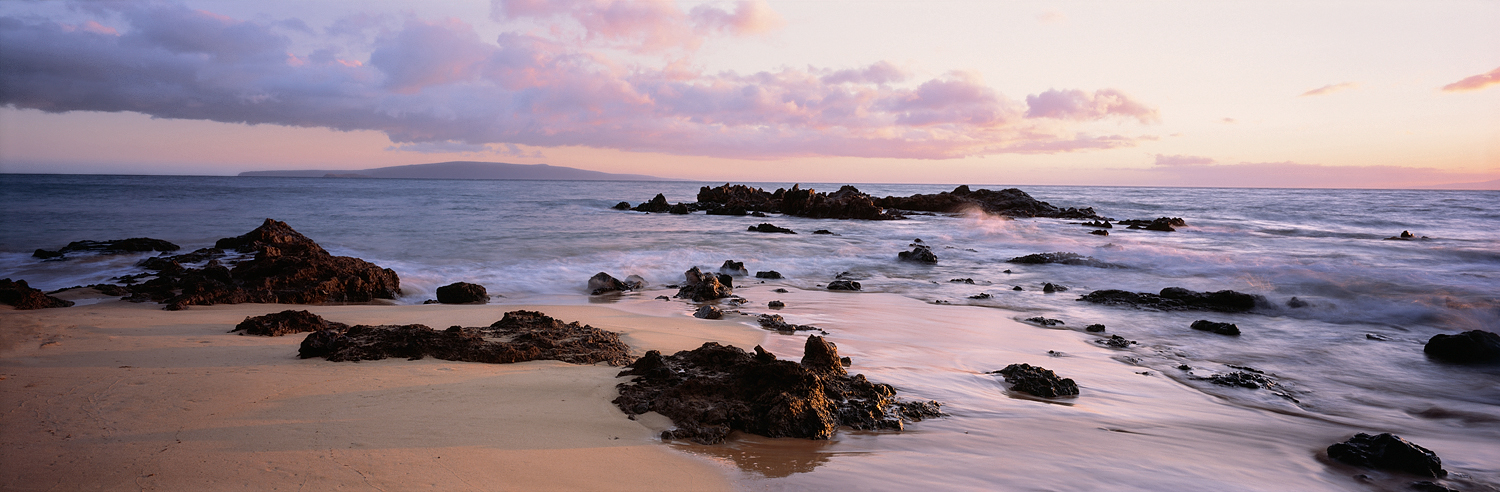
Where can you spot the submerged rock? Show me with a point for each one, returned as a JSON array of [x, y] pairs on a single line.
[[969, 281], [766, 227], [23, 296], [1062, 258], [701, 286], [1099, 232], [1177, 299], [285, 323], [1216, 327], [623, 206], [604, 283], [1164, 224], [117, 246], [1296, 303], [1115, 341], [775, 322], [1094, 328], [464, 293], [1009, 202], [713, 390], [1387, 452], [1037, 381], [1045, 321], [735, 268], [527, 335], [288, 268], [919, 253], [775, 304], [843, 285], [1049, 287], [769, 274], [1467, 347]]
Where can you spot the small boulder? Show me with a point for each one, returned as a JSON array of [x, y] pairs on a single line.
[[463, 293], [1387, 452], [775, 304], [843, 285], [767, 227], [824, 232], [657, 204], [969, 281], [1468, 347], [1115, 341], [1045, 321], [1099, 232], [1049, 288], [734, 268], [920, 253], [702, 286], [1296, 303], [1216, 327], [1094, 328], [604, 283], [679, 209], [776, 323], [285, 323], [1017, 288], [769, 274], [1037, 381], [622, 206], [708, 312], [23, 296]]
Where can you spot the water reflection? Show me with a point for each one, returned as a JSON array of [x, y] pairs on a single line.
[[770, 457]]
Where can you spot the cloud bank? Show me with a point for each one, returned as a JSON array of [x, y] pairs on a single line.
[[565, 83], [1474, 83]]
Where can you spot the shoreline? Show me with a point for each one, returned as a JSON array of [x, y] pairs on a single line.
[[113, 394]]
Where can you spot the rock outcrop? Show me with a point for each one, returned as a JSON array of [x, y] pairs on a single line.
[[117, 246], [701, 286], [771, 228], [1473, 346], [604, 283], [919, 253], [708, 312], [23, 296], [1062, 258], [733, 268], [1009, 202], [1037, 381], [713, 390], [527, 335], [844, 285], [288, 268], [1388, 452], [462, 293], [1216, 327], [1178, 299], [285, 323], [1164, 224]]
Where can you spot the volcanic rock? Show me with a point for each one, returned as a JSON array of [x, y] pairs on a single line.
[[919, 253], [23, 296], [824, 232], [1094, 328], [775, 322], [657, 204], [285, 323], [623, 205], [1296, 303], [769, 274], [1467, 347], [1388, 452], [1164, 224], [528, 335], [1115, 341], [1008, 202], [1045, 321], [1037, 381], [775, 304], [679, 209], [981, 295], [1049, 288], [132, 245], [1099, 223], [771, 228], [1062, 258], [713, 390], [464, 293], [969, 281], [1099, 232], [735, 268], [708, 312], [1177, 299], [1216, 327], [604, 283], [701, 286], [843, 285]]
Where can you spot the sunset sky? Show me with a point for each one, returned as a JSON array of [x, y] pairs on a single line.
[[1263, 93]]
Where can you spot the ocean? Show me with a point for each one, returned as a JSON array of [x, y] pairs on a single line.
[[1347, 359]]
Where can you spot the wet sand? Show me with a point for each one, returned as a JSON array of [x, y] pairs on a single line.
[[114, 395]]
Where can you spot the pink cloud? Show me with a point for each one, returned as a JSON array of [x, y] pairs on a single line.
[[1476, 82], [1182, 160], [439, 82], [1078, 105], [1329, 89]]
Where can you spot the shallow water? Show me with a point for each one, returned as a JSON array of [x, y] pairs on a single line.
[[1166, 429]]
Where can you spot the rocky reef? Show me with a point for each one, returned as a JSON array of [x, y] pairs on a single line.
[[1177, 299], [518, 337]]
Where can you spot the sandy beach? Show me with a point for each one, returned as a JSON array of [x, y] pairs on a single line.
[[114, 395]]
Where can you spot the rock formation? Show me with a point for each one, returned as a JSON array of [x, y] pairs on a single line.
[[526, 335]]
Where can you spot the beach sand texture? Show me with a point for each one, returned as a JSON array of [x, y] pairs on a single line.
[[114, 396]]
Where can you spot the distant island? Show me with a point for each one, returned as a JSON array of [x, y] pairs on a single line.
[[464, 170]]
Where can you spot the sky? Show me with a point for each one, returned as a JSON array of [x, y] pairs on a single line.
[[1338, 94]]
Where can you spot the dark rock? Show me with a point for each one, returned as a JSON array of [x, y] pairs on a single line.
[[658, 204], [771, 228], [530, 335], [1099, 232], [1251, 379], [288, 268], [780, 291], [770, 274], [1216, 327], [117, 246], [679, 209], [604, 283], [286, 323], [1387, 452], [1177, 299], [844, 285], [824, 232], [735, 268], [1296, 303], [981, 295], [23, 296], [663, 298], [775, 322], [1045, 321], [708, 312], [1115, 341], [1428, 486], [1377, 337], [775, 304], [701, 286], [969, 281], [1049, 288], [920, 253], [1467, 347], [1008, 202], [1164, 224], [713, 390], [726, 279], [761, 215], [623, 205], [1405, 236], [1017, 288], [1094, 328], [464, 293], [1037, 381], [846, 203], [174, 263], [1099, 223], [1062, 258]]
